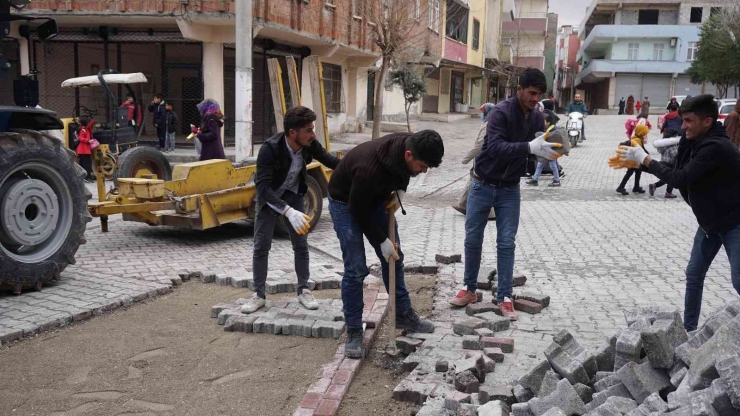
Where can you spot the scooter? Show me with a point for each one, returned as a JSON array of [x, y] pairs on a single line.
[[574, 127]]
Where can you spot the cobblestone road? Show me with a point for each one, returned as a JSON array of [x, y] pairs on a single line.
[[595, 252]]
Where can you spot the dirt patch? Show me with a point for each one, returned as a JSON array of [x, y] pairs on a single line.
[[166, 357], [372, 390]]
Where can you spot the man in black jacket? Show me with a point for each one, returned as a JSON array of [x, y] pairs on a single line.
[[360, 194], [706, 172], [159, 114], [281, 182]]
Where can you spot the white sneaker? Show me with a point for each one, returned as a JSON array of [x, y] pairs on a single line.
[[254, 304], [307, 300]]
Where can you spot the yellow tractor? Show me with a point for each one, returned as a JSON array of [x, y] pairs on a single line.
[[117, 135]]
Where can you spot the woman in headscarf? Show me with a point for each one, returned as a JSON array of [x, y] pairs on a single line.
[[209, 133], [630, 105]]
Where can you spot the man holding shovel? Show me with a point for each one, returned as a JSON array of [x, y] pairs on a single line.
[[368, 184]]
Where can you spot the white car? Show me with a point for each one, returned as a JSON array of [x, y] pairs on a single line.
[[725, 107]]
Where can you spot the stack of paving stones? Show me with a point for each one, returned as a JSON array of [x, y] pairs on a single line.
[[324, 396], [451, 369], [278, 281]]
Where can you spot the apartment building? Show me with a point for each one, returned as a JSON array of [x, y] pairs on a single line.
[[527, 33], [640, 48], [567, 46]]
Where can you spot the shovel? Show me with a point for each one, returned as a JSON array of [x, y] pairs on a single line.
[[392, 350]]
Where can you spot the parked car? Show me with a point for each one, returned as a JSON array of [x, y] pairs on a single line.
[[725, 106]]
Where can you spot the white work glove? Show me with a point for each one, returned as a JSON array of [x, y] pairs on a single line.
[[634, 154], [389, 250], [540, 147], [298, 220], [394, 203]]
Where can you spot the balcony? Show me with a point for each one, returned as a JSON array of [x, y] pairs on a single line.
[[529, 25], [604, 35], [598, 69]]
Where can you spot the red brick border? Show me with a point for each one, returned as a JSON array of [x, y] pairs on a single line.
[[324, 396]]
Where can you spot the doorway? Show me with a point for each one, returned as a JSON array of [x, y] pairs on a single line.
[[456, 90], [370, 95]]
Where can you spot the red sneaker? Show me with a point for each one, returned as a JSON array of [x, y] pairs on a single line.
[[463, 298], [507, 310]]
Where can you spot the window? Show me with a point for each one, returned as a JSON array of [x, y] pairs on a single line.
[[696, 13], [648, 17], [633, 51], [714, 11], [417, 10], [658, 49], [332, 76], [433, 14], [476, 34], [457, 22], [358, 7], [691, 53]]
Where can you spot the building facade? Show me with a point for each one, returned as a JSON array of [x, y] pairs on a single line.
[[551, 50], [527, 33], [639, 49], [567, 46]]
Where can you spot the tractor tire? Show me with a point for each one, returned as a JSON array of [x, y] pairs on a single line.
[[139, 161], [313, 203], [43, 209]]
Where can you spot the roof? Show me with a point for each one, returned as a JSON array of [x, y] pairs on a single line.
[[94, 81]]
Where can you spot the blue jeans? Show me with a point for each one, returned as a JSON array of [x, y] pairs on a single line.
[[553, 168], [703, 252], [506, 202], [351, 240]]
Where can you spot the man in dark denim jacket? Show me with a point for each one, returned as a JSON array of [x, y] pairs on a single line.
[[510, 139]]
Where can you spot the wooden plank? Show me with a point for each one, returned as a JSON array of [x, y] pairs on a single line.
[[295, 86], [319, 100], [278, 97]]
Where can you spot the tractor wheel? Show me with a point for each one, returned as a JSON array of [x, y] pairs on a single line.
[[43, 209], [140, 162], [106, 162], [313, 203]]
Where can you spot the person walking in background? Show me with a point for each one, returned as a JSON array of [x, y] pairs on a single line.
[[462, 202], [84, 151], [630, 105], [621, 106], [638, 107], [209, 132], [673, 101], [672, 120], [630, 125], [668, 148], [638, 140], [645, 110], [732, 124], [159, 115], [134, 110], [550, 120], [171, 127]]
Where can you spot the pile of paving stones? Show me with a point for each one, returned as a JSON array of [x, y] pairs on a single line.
[[278, 281], [652, 368]]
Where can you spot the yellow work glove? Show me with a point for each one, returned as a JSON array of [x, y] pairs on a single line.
[[299, 221]]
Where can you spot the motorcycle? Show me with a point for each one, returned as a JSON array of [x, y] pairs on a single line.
[[574, 127]]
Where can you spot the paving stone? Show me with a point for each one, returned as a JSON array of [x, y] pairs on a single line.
[[652, 404], [720, 399], [571, 347], [494, 408], [467, 409], [466, 382], [565, 365], [479, 296], [618, 405], [495, 322], [242, 323], [434, 406], [642, 380], [504, 394], [533, 379], [216, 309], [208, 277], [661, 339], [678, 372], [606, 354], [522, 394], [629, 343], [729, 372], [327, 329], [454, 398], [607, 382], [564, 397], [633, 315], [448, 258], [471, 342], [505, 344], [474, 365], [494, 353], [584, 392], [241, 281], [617, 390], [518, 280], [475, 400], [226, 313], [264, 325], [527, 306], [600, 375], [725, 342], [441, 366], [549, 384], [543, 300], [716, 321], [480, 307], [521, 409], [484, 332], [408, 345], [223, 279], [467, 326], [555, 411]]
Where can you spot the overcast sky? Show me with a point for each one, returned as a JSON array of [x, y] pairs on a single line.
[[570, 12]]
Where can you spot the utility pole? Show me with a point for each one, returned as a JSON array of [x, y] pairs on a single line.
[[243, 72]]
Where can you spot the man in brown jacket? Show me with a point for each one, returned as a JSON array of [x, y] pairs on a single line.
[[732, 124]]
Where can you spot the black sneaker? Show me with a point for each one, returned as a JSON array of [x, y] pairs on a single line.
[[411, 322], [651, 189], [622, 191], [533, 182], [554, 184], [638, 190], [353, 346]]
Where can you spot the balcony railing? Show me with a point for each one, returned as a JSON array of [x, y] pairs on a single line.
[[530, 25]]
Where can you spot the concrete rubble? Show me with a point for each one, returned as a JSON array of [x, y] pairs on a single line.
[[651, 368]]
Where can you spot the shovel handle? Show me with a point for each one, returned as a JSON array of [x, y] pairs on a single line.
[[392, 286]]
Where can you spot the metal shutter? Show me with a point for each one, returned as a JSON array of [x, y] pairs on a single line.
[[657, 88], [685, 87], [628, 84]]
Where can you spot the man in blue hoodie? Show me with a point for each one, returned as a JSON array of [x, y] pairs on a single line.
[[510, 139], [578, 106]]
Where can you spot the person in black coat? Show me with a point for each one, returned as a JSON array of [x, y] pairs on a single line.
[[622, 103], [705, 172], [159, 115]]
